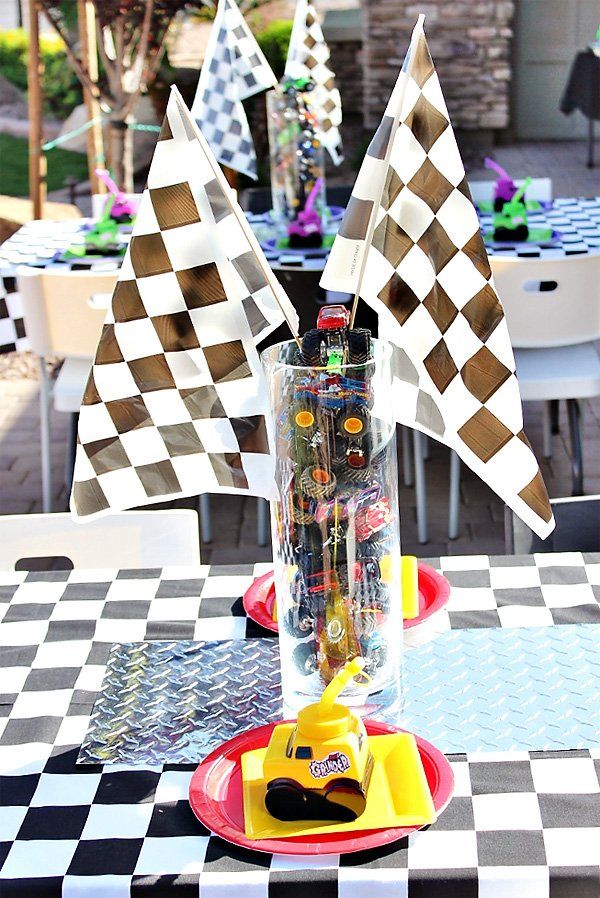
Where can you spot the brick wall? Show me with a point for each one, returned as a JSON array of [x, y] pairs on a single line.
[[470, 41]]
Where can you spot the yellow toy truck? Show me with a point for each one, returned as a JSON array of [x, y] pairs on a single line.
[[319, 768]]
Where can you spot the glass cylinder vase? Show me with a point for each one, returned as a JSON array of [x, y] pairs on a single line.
[[335, 528], [297, 158]]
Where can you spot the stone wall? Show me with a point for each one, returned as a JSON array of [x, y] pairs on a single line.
[[470, 42]]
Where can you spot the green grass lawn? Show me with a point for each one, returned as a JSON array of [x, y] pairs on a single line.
[[14, 166]]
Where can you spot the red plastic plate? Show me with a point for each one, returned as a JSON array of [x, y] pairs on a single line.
[[434, 592], [216, 798]]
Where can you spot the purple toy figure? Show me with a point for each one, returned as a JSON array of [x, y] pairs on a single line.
[[122, 209], [505, 187], [306, 231]]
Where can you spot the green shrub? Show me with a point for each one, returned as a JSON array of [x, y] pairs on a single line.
[[61, 87], [274, 42]]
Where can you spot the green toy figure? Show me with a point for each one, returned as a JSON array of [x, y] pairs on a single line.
[[511, 222]]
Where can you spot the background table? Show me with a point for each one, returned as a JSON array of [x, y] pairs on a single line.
[[39, 242], [521, 824]]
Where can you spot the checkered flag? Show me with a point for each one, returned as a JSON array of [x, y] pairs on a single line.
[[234, 68], [411, 247], [308, 57], [176, 403], [12, 325]]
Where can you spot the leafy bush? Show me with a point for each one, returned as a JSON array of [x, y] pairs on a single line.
[[61, 88], [274, 42]]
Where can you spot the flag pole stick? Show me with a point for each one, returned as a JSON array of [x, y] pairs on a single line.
[[235, 208], [388, 152]]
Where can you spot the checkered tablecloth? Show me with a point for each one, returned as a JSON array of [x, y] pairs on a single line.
[[521, 825]]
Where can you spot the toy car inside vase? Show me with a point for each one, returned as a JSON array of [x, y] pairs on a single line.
[[335, 529]]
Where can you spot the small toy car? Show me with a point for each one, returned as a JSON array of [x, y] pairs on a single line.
[[372, 519], [333, 343], [320, 767], [511, 222]]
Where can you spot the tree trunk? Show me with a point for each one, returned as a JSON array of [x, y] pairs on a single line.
[[121, 154]]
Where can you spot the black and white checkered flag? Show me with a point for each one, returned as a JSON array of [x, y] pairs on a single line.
[[308, 57], [234, 68], [411, 246], [176, 403]]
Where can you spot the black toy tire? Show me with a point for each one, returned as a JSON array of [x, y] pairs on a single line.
[[312, 487], [359, 416], [311, 348], [359, 346], [305, 657], [284, 800], [355, 800], [294, 627], [508, 235]]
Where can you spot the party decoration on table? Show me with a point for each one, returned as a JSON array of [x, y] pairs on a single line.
[[234, 69], [504, 188], [424, 592], [173, 702], [308, 58], [323, 771], [306, 230], [216, 798], [102, 238], [297, 157], [411, 247], [176, 403], [510, 221], [501, 681], [121, 208], [335, 536]]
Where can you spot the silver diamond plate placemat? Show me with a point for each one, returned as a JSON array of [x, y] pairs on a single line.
[[509, 689], [174, 702]]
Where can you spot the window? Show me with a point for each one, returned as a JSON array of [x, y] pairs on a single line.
[[303, 753]]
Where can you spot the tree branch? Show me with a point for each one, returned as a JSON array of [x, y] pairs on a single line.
[[80, 70]]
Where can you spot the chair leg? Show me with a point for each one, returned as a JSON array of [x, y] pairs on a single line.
[[408, 474], [45, 397], [454, 500], [420, 487], [547, 423], [262, 521], [205, 521], [71, 450], [576, 447], [555, 415]]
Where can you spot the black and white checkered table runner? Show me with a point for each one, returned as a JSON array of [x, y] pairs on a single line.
[[576, 221], [521, 824], [39, 243]]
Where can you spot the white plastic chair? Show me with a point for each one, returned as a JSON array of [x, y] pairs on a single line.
[[61, 320], [130, 539], [552, 309], [540, 189], [99, 199]]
